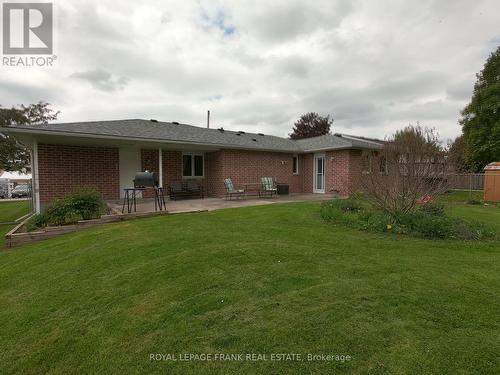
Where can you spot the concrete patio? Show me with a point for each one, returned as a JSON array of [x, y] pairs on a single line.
[[210, 204]]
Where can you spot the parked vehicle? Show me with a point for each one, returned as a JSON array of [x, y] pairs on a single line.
[[4, 188], [20, 191]]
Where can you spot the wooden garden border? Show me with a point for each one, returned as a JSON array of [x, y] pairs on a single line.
[[16, 238]]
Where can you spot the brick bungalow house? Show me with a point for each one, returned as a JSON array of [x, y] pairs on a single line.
[[106, 155]]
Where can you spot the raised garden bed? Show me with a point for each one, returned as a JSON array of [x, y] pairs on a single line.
[[20, 236]]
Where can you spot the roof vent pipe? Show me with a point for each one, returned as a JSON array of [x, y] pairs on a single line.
[[208, 119]]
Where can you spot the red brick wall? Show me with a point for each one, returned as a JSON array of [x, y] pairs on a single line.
[[65, 168], [214, 173], [149, 160], [172, 166], [248, 167], [344, 171], [337, 167], [356, 163], [306, 172]]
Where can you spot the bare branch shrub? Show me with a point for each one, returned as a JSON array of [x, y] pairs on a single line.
[[410, 166]]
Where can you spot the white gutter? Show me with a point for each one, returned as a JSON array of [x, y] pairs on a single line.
[[137, 139], [166, 141]]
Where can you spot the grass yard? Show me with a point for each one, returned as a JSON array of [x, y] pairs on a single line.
[[10, 211], [268, 279], [457, 206]]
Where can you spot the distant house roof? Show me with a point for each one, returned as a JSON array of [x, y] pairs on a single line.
[[172, 132]]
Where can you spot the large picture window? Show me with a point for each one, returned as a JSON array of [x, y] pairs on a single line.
[[192, 165]]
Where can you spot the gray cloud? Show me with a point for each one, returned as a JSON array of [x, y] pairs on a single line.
[[375, 66], [101, 79]]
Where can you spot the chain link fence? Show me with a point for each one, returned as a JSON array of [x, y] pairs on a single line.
[[466, 181]]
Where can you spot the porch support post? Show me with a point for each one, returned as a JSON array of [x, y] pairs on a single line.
[[35, 188], [160, 166]]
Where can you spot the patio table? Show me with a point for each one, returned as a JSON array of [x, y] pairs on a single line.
[[253, 187]]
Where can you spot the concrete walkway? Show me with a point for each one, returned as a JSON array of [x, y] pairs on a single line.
[[211, 204]]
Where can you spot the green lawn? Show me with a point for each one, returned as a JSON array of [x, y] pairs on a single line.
[[10, 211], [457, 206], [268, 279]]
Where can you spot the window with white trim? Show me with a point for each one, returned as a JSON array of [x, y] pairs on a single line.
[[383, 165], [295, 164], [193, 165], [367, 162]]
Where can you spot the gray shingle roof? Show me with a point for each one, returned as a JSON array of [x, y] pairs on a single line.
[[336, 142], [182, 133]]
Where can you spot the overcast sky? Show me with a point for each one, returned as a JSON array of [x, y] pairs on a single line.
[[374, 66]]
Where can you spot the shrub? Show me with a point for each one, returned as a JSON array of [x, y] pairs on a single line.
[[428, 225], [86, 203], [430, 221], [473, 230], [37, 221], [432, 208], [349, 205], [61, 212], [83, 204]]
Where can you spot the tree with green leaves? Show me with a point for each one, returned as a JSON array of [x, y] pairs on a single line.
[[457, 154], [311, 125], [13, 155], [481, 117]]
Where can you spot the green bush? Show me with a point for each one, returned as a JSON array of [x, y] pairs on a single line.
[[428, 225], [82, 204], [472, 230], [86, 203], [61, 212], [429, 222], [432, 208], [37, 221]]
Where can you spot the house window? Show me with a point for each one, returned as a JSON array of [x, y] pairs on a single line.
[[192, 165], [295, 165], [383, 165], [367, 163]]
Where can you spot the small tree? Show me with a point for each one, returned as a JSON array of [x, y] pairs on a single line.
[[412, 165], [13, 155], [311, 125]]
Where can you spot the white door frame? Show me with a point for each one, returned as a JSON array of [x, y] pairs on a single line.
[[317, 156]]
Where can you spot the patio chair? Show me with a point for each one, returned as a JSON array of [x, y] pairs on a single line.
[[268, 187], [195, 188], [175, 189], [231, 191]]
